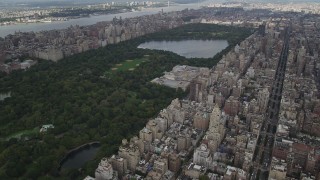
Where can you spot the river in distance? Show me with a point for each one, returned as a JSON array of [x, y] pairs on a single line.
[[11, 29], [188, 48], [79, 158]]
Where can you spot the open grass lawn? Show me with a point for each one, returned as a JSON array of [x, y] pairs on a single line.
[[128, 65], [24, 132]]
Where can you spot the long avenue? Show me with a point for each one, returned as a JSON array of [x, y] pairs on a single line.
[[263, 152]]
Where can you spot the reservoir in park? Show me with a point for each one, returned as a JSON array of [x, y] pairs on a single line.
[[188, 48]]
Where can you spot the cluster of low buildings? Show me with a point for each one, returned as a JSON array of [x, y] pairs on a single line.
[[181, 76], [21, 13], [214, 132]]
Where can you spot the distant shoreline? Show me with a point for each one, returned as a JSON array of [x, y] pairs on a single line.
[[85, 21]]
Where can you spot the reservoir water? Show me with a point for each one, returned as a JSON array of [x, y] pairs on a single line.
[[77, 159], [11, 29], [188, 48]]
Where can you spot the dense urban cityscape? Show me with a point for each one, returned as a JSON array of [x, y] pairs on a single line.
[[254, 115]]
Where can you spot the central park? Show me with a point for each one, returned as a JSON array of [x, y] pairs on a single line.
[[101, 95]]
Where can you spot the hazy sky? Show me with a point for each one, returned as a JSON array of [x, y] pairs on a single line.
[[11, 1], [45, 3]]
